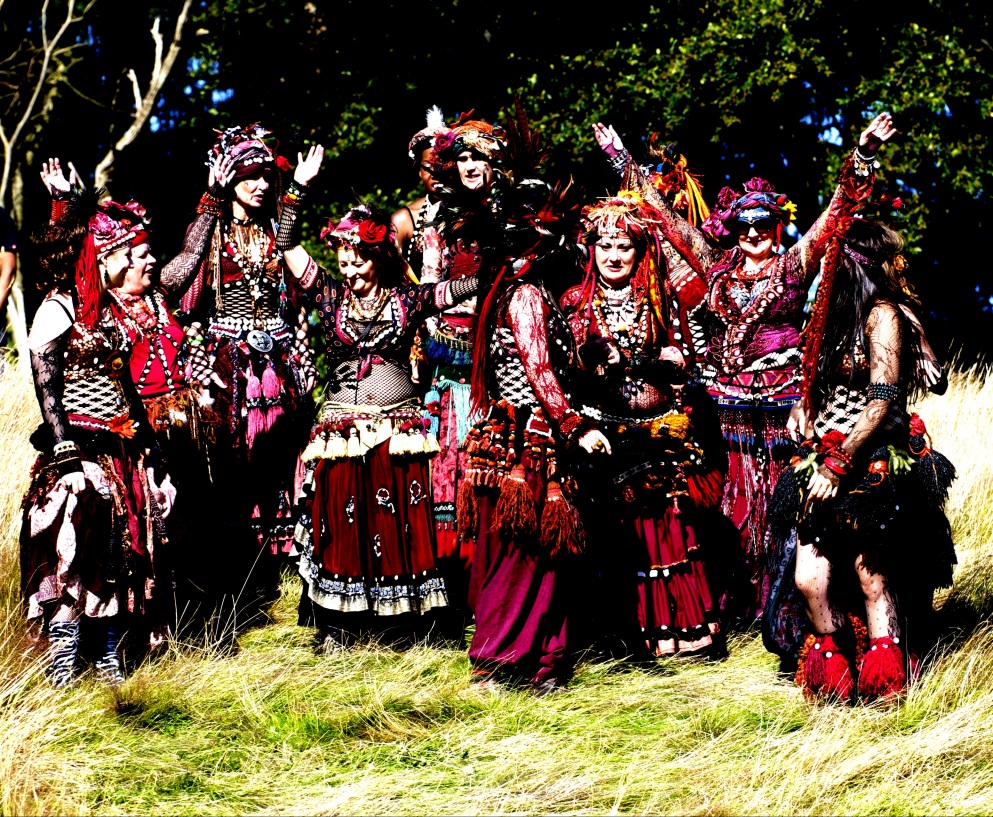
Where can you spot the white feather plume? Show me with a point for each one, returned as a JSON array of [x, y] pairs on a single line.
[[436, 120]]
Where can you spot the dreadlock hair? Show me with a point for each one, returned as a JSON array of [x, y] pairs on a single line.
[[868, 273], [55, 248]]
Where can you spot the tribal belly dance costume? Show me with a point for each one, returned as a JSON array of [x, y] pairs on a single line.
[[648, 504], [752, 365], [366, 532], [514, 498], [103, 552]]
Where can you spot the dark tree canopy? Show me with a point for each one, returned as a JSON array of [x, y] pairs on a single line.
[[743, 87]]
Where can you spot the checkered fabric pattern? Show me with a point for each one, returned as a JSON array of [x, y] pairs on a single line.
[[843, 408], [512, 382], [98, 397]]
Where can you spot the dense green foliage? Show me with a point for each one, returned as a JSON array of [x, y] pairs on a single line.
[[744, 87]]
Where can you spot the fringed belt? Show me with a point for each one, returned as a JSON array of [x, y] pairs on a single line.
[[674, 424], [349, 430]]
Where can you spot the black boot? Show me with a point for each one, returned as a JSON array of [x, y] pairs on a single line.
[[63, 640], [108, 665]]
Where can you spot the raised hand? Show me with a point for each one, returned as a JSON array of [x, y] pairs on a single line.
[[220, 175], [593, 442], [53, 177], [607, 138], [879, 130], [308, 167]]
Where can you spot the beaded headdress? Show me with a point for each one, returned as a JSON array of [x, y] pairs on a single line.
[[426, 135], [757, 202], [626, 212], [252, 147]]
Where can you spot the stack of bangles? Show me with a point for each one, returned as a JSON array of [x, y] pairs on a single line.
[[67, 457], [209, 204], [838, 461]]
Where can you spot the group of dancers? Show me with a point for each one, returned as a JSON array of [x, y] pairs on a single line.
[[552, 423]]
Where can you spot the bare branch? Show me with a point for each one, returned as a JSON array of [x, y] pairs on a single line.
[[160, 72], [134, 86], [10, 140]]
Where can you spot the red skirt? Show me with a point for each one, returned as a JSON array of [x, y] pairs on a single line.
[[371, 542]]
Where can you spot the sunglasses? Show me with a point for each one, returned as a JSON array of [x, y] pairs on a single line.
[[762, 225]]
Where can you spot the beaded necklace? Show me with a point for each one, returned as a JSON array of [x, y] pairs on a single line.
[[247, 245], [620, 317]]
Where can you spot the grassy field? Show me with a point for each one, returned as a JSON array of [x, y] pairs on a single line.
[[276, 729]]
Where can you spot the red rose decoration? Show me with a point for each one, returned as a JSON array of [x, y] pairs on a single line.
[[832, 440], [372, 233], [897, 203], [917, 425], [283, 163]]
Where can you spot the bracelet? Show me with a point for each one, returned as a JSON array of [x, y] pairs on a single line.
[[64, 446], [569, 423], [295, 192], [863, 164], [209, 204], [619, 160], [835, 466], [882, 391]]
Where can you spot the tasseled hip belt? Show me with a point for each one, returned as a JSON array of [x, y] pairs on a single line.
[[348, 430]]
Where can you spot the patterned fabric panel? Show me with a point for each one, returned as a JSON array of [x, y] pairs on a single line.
[[99, 397], [511, 381]]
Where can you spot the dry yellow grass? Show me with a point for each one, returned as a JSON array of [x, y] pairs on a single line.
[[276, 729]]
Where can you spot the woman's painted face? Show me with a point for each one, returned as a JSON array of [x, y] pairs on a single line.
[[756, 239], [139, 276], [474, 170], [250, 192], [616, 257], [114, 267], [425, 170], [361, 275]]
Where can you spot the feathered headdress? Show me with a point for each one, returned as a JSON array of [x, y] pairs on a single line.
[[426, 135], [629, 213], [680, 188]]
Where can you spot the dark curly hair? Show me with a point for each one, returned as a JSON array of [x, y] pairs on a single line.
[[55, 248]]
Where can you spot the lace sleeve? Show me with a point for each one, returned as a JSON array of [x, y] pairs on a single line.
[[687, 240], [178, 272], [528, 317], [47, 361], [884, 342], [854, 187]]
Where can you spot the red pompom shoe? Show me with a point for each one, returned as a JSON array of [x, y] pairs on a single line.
[[882, 673], [824, 671]]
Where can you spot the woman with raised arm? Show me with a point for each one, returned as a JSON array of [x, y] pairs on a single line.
[[92, 543], [859, 517], [648, 500], [248, 351], [366, 534], [756, 296]]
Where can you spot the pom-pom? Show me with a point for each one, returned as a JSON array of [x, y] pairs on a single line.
[[882, 673], [825, 671]]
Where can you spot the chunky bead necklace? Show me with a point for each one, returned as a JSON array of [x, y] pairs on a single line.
[[620, 317], [250, 247]]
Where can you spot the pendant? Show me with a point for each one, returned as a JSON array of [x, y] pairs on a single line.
[[260, 341]]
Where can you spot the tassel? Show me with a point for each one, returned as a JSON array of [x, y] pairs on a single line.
[[354, 447], [255, 419], [270, 391], [516, 516], [561, 530], [882, 673], [432, 410], [337, 447], [824, 671], [706, 490], [466, 510], [431, 446], [315, 450], [396, 442]]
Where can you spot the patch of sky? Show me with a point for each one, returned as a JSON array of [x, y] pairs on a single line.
[[154, 123], [832, 136], [217, 96]]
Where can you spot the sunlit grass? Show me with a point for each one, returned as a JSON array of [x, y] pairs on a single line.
[[276, 728]]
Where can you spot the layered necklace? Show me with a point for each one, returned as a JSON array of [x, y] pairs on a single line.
[[249, 246], [619, 316]]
